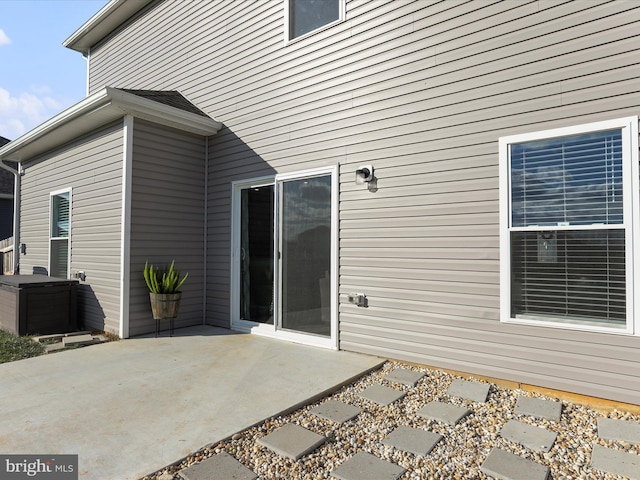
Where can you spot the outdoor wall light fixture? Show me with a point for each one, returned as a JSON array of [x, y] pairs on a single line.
[[364, 174]]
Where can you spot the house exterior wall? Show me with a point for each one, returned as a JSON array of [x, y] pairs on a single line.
[[92, 168], [167, 218], [421, 90]]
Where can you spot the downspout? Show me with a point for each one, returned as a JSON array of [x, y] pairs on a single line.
[[206, 226], [16, 214]]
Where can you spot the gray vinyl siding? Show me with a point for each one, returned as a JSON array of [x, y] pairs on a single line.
[[167, 218], [92, 168], [421, 90]]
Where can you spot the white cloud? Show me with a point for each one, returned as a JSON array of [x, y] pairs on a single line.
[[26, 110], [4, 40]]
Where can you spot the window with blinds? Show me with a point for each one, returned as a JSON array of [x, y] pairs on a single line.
[[59, 237], [568, 232]]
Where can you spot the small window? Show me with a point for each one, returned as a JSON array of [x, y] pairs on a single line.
[[306, 16], [60, 233], [567, 229]]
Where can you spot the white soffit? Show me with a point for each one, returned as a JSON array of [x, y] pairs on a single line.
[[97, 110], [105, 21]]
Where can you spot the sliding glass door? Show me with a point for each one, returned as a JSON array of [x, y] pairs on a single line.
[[305, 255], [283, 259]]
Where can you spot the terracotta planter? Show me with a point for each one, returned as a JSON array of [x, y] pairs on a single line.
[[165, 305]]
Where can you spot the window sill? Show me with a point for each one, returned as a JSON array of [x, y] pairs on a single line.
[[576, 325]]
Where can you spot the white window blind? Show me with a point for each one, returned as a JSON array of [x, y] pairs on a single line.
[[59, 240], [574, 180], [567, 238]]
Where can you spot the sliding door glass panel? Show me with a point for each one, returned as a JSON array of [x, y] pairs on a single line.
[[305, 248], [256, 254]]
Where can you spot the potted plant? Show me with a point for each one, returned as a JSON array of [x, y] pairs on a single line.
[[164, 291]]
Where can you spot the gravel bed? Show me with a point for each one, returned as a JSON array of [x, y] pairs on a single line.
[[458, 456]]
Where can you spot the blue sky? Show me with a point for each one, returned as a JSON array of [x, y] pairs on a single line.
[[38, 76]]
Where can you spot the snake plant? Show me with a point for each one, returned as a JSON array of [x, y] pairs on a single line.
[[163, 280]]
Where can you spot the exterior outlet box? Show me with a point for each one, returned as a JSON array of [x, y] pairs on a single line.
[[359, 299]]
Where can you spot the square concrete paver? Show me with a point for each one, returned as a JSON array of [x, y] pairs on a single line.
[[444, 412], [364, 466], [292, 441], [413, 440], [538, 407], [381, 394], [404, 376], [336, 411], [614, 429], [220, 467], [535, 438], [507, 466], [614, 461], [474, 391]]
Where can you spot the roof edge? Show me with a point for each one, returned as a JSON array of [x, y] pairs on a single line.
[[108, 104], [88, 104], [105, 21]]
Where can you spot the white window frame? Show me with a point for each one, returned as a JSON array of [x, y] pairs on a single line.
[[287, 26], [51, 237], [631, 224]]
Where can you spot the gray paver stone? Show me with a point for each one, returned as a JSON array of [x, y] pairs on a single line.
[[219, 467], [507, 466], [364, 466], [336, 411], [535, 438], [614, 429], [444, 412], [413, 440], [292, 441], [85, 339], [54, 347], [381, 394], [614, 461], [476, 392], [404, 376], [538, 407]]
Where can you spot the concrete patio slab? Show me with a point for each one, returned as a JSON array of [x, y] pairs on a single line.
[[131, 407], [536, 438], [404, 376], [474, 391], [507, 466], [412, 440], [443, 412], [614, 429], [292, 441], [338, 412], [382, 395], [220, 467], [613, 461], [365, 466], [539, 407]]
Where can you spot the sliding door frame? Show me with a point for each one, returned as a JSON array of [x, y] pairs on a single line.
[[268, 329]]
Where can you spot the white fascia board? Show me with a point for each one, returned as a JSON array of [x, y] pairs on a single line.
[[105, 21]]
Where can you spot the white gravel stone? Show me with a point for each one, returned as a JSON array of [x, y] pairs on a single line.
[[458, 456]]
